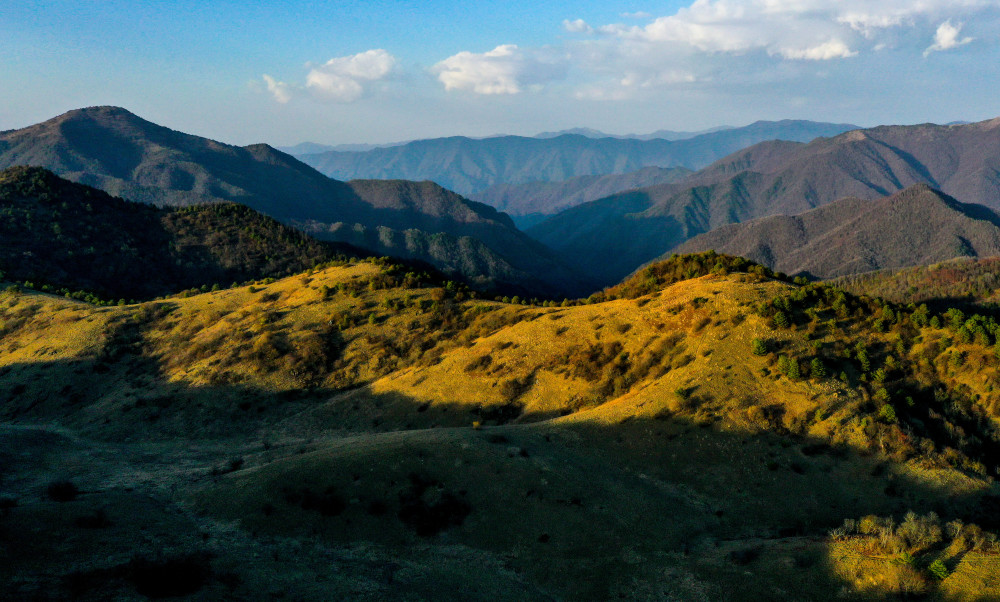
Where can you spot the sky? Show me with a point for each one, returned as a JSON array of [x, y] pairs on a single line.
[[379, 71]]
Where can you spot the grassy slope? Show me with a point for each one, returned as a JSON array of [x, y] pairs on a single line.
[[360, 415]]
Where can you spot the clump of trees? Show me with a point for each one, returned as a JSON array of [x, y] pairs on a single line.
[[917, 542]]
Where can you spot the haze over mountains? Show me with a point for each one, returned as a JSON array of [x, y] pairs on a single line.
[[621, 232], [661, 134], [530, 203], [124, 155], [467, 165]]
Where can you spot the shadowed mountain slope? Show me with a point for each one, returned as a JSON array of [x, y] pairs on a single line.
[[124, 155], [774, 178], [65, 235], [469, 165], [917, 226]]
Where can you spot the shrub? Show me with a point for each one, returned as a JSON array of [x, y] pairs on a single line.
[[938, 570], [920, 532]]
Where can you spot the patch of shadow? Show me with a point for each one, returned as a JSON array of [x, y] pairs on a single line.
[[327, 503], [744, 557], [170, 577], [155, 578], [428, 509]]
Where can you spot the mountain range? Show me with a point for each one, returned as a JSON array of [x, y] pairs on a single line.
[[616, 234], [468, 165], [351, 427], [661, 134], [917, 226], [111, 149], [530, 203]]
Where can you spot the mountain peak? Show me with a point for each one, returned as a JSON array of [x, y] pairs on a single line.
[[99, 112]]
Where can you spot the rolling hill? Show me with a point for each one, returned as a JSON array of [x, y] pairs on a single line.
[[774, 178], [702, 430], [918, 226], [124, 155], [468, 165]]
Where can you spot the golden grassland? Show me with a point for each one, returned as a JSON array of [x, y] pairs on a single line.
[[631, 447]]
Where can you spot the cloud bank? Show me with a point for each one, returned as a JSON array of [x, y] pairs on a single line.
[[708, 42]]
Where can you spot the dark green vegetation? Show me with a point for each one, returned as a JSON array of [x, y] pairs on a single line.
[[64, 237], [918, 226], [124, 155], [701, 431], [621, 232], [469, 165]]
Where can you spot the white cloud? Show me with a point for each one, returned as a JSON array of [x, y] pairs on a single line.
[[280, 90], [946, 38], [834, 49], [639, 14], [506, 69], [341, 79], [577, 26], [347, 78]]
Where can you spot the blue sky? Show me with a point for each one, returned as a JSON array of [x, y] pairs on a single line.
[[344, 72]]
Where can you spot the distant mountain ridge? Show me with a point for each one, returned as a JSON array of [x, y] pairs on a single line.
[[618, 233], [468, 165], [535, 201], [112, 149], [917, 226], [658, 134]]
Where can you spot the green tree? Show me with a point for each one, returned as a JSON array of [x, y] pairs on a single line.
[[758, 346], [887, 414], [817, 369]]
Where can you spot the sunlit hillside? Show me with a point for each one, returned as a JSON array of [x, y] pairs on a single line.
[[702, 431]]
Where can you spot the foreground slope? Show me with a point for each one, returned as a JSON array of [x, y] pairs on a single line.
[[774, 178], [355, 432], [918, 226], [111, 149]]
